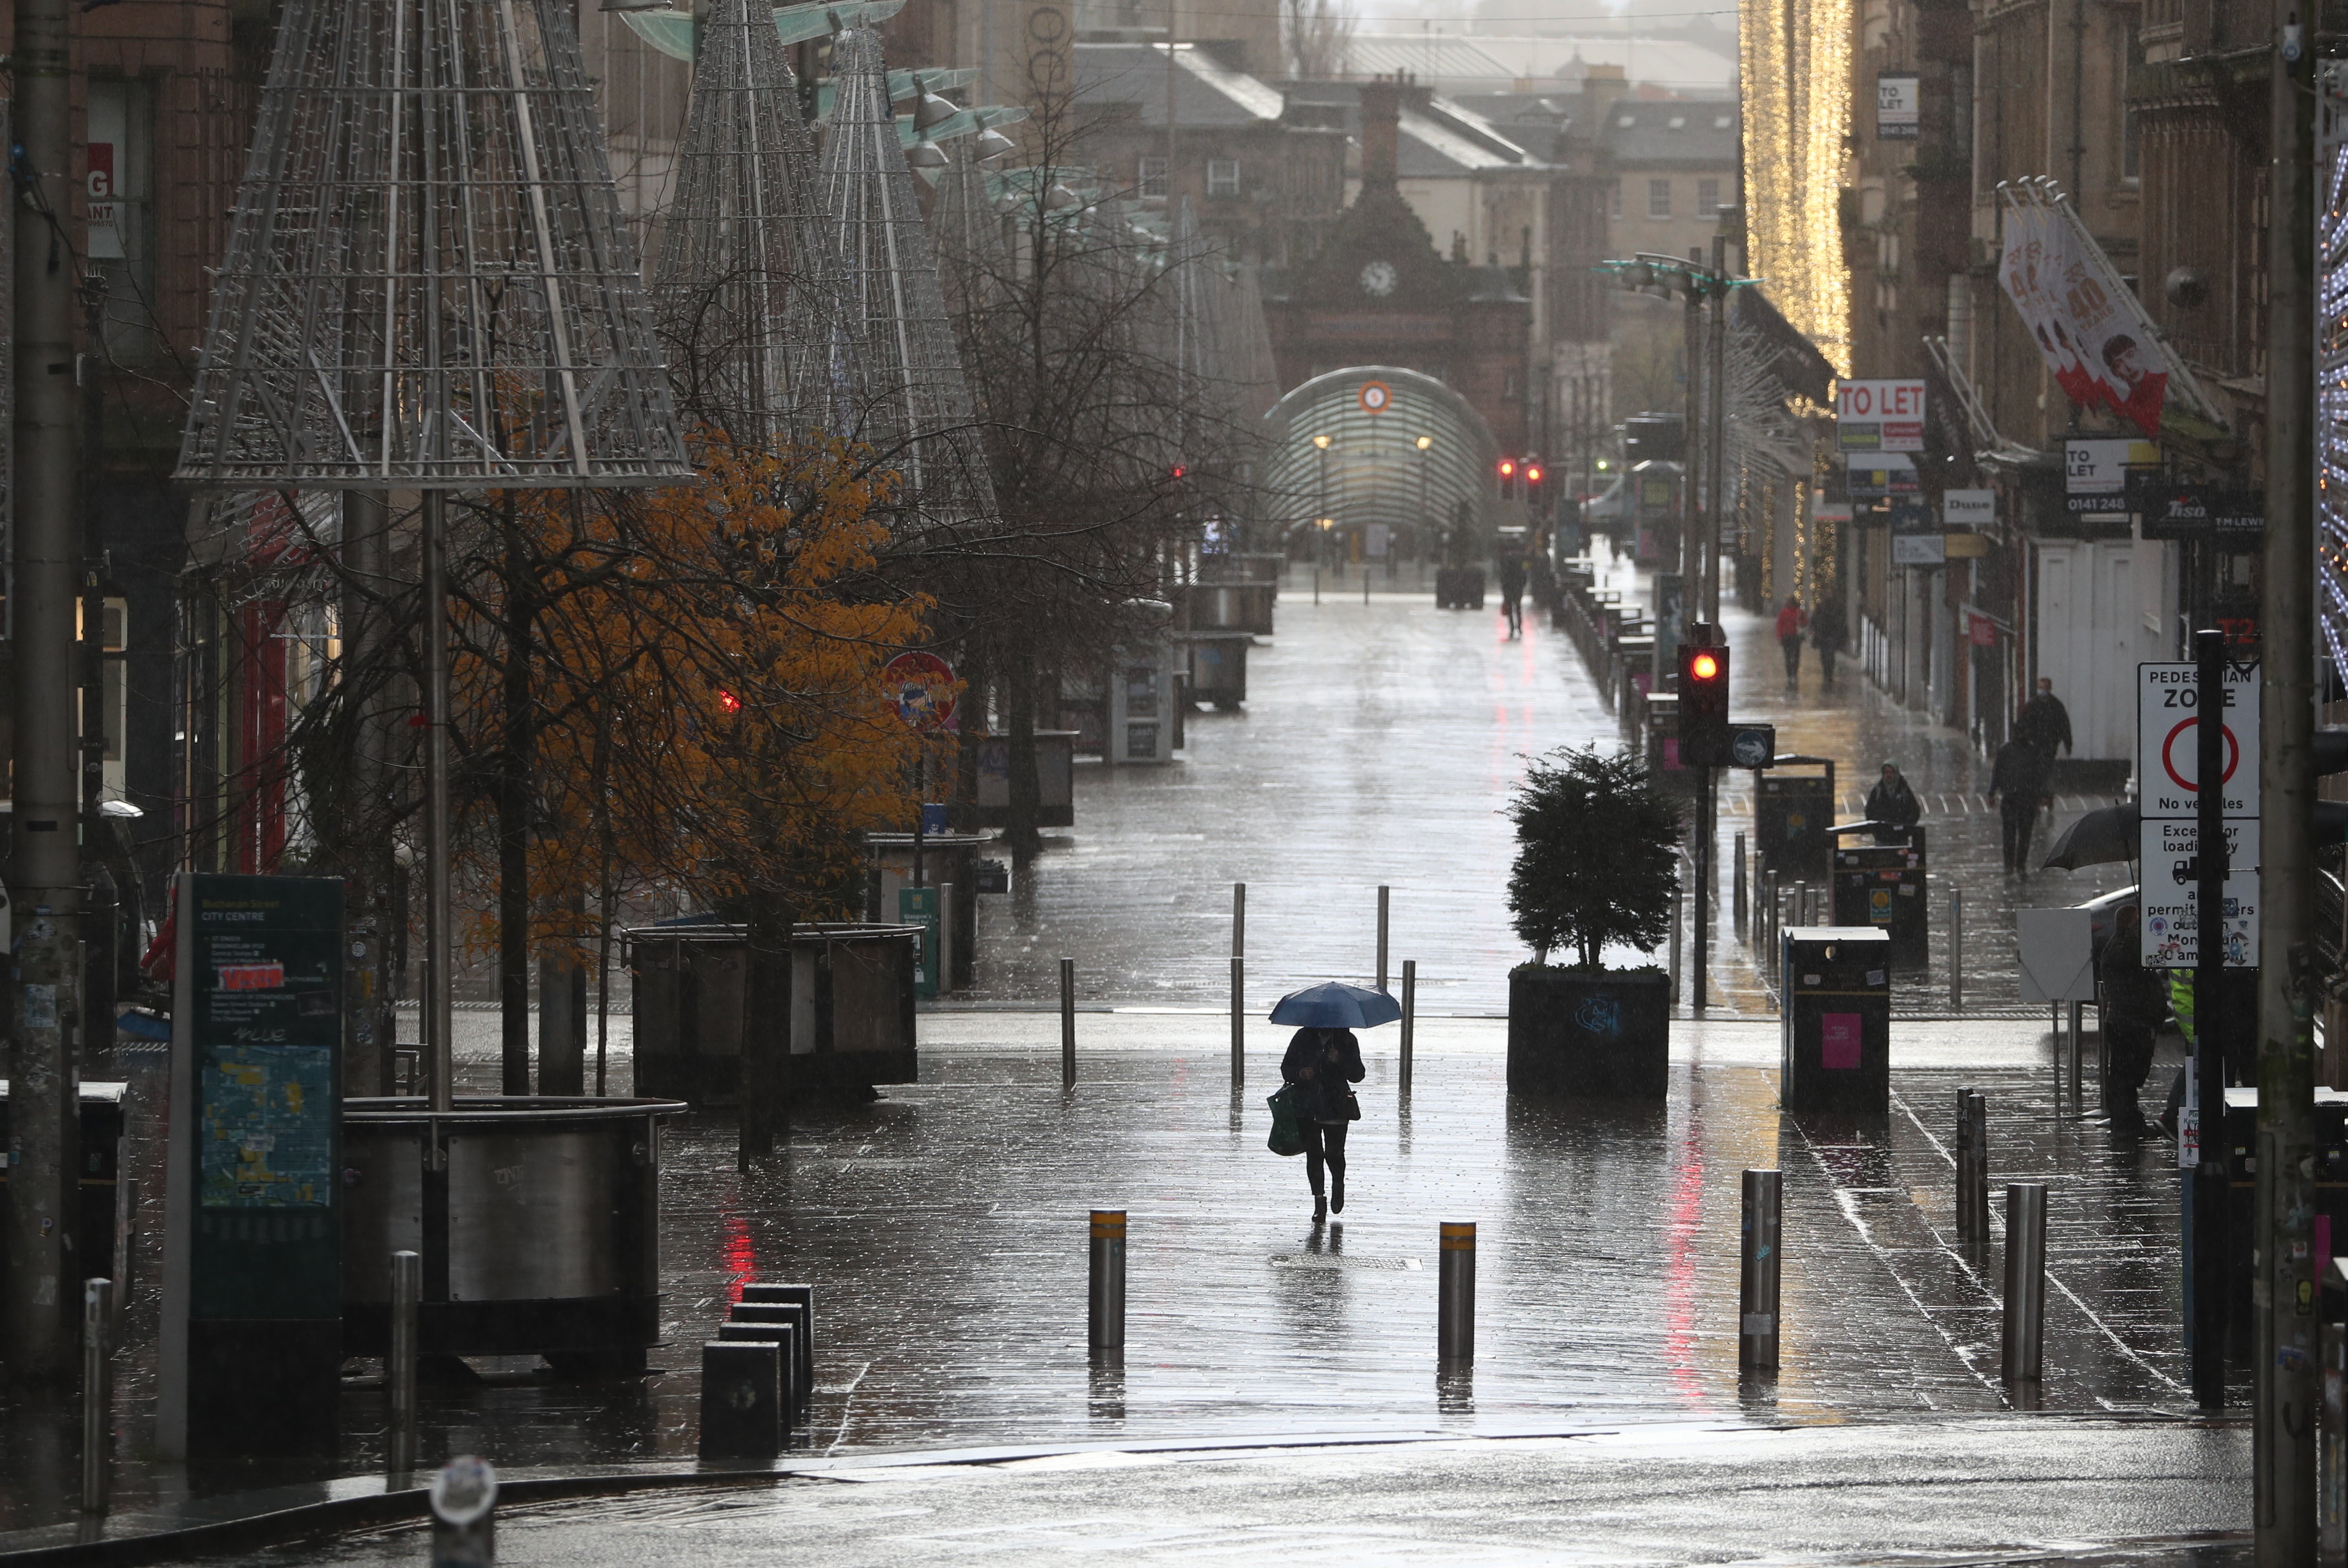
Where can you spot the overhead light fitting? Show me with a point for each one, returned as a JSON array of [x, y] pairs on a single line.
[[993, 144], [925, 154]]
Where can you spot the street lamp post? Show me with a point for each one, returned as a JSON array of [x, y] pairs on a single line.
[[1321, 518], [1425, 529]]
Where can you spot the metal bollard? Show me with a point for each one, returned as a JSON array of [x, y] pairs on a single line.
[[743, 1415], [1107, 1316], [1239, 984], [2078, 1063], [464, 1498], [96, 1396], [1956, 949], [1410, 1018], [2332, 1451], [399, 1366], [1384, 902], [1739, 896], [787, 1338], [1068, 1022], [2025, 1280], [1968, 1169], [1757, 1296], [1455, 1299], [1675, 947]]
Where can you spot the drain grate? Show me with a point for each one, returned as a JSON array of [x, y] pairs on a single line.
[[1332, 1260]]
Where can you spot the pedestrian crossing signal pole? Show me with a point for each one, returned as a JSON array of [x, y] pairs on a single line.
[[1703, 747]]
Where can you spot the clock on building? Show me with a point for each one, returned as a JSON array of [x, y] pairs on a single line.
[[1379, 278]]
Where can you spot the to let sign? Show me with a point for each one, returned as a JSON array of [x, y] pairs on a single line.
[[1879, 416]]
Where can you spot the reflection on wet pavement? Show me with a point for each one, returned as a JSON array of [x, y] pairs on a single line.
[[1378, 745]]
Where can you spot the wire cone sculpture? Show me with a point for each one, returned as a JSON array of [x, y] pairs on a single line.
[[917, 412], [749, 303], [427, 283]]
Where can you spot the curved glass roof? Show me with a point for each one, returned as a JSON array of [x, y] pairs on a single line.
[[1375, 469]]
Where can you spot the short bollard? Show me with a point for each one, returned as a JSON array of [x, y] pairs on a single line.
[[1967, 1160], [2025, 1280], [1384, 906], [96, 1396], [1455, 1299], [742, 1415], [1675, 962], [786, 1340], [1956, 949], [399, 1367], [2332, 1451], [1974, 1179], [1739, 896], [1068, 1022], [1239, 984], [794, 1314], [1409, 1016], [464, 1499], [1106, 1318], [1757, 1295]]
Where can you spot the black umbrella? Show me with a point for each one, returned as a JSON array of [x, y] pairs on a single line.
[[2100, 837]]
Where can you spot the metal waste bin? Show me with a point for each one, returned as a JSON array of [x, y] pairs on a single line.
[[851, 1008], [1218, 662], [1793, 818], [1834, 1019], [1883, 885], [103, 1109]]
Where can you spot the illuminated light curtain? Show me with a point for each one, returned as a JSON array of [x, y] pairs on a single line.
[[1796, 86], [2332, 394]]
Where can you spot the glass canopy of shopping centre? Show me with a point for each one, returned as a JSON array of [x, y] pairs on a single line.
[[1375, 444]]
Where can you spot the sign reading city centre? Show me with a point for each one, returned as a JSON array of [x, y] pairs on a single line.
[[2169, 785]]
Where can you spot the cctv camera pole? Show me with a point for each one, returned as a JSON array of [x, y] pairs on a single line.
[[43, 1195], [2286, 1382]]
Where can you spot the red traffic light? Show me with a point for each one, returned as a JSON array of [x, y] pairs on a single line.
[[1508, 468], [1705, 666], [1181, 468], [1532, 473], [728, 701]]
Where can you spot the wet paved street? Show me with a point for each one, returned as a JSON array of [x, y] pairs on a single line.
[[944, 1223], [1379, 744], [2013, 1490]]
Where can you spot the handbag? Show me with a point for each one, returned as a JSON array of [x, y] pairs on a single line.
[[1351, 1110], [1286, 1138]]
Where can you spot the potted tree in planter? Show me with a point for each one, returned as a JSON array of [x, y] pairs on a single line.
[[1596, 867]]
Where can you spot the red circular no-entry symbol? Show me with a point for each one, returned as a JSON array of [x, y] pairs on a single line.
[[2168, 753], [922, 685]]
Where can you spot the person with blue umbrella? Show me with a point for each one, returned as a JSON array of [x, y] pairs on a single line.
[[1323, 1064]]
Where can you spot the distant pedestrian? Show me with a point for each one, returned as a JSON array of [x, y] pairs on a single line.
[[1892, 806], [1323, 1065], [1790, 622], [2018, 784], [2134, 1001], [2044, 722], [1826, 634], [1512, 591]]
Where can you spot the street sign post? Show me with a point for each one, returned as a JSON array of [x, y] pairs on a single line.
[[922, 686]]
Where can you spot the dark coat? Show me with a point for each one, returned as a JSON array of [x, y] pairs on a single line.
[[1894, 803], [2134, 996], [2044, 723], [1335, 1056], [2020, 772], [1827, 632]]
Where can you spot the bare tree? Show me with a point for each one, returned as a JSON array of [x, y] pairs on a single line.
[[1319, 37]]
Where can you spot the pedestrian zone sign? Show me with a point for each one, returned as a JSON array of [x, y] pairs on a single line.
[[2168, 804]]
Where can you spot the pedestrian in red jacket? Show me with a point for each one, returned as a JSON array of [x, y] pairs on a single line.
[[1790, 624]]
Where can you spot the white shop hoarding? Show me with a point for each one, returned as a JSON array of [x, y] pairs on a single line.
[[2168, 741], [2168, 891]]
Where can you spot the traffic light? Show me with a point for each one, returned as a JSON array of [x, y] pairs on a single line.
[[1536, 491], [1704, 707], [1507, 478]]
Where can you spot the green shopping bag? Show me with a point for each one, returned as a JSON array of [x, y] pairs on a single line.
[[1286, 1139]]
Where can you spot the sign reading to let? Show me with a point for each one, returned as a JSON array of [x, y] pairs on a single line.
[[1879, 416]]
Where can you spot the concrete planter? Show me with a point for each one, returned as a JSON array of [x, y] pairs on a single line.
[[1588, 1035]]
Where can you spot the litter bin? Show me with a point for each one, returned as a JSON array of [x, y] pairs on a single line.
[[103, 1111], [947, 859], [851, 1008], [1219, 667], [1883, 885], [1793, 816], [1835, 1011]]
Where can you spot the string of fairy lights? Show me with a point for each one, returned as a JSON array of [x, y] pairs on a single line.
[[2332, 378], [1795, 73]]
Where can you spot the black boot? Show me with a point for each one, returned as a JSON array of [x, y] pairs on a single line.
[[1320, 1208], [1337, 1191]]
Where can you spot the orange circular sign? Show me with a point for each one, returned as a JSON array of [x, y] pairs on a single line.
[[1376, 397]]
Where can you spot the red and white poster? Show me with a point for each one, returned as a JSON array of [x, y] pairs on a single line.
[[2094, 335]]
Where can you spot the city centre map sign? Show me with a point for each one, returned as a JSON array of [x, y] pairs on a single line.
[[252, 1241]]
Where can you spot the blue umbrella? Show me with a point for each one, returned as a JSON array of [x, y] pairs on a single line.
[[1334, 1004]]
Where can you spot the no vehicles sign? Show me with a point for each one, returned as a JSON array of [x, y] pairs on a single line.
[[2168, 741]]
